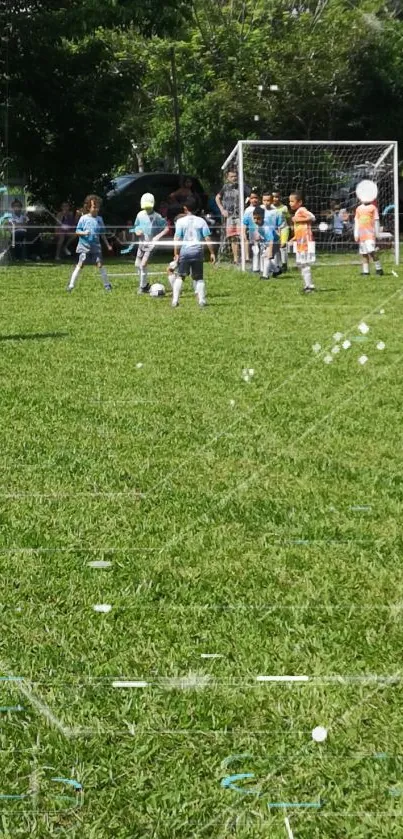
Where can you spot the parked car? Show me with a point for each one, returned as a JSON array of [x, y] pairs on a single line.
[[122, 201]]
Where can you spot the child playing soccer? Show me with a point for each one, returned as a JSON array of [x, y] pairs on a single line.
[[150, 227], [192, 231], [273, 220], [263, 236], [247, 221], [284, 228], [304, 245], [90, 230], [366, 231]]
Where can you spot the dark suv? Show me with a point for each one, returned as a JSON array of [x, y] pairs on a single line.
[[122, 202]]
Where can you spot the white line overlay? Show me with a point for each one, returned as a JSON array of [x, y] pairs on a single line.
[[288, 828], [283, 679]]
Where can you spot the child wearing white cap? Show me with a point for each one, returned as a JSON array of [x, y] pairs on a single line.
[[149, 226]]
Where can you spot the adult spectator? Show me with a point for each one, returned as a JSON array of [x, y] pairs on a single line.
[[64, 230], [18, 223], [185, 191], [228, 204]]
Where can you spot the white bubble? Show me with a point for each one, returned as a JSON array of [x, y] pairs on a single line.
[[381, 311], [335, 349], [337, 336], [102, 607], [251, 371], [316, 347], [256, 118], [363, 359], [380, 345], [139, 364], [346, 344], [363, 328], [232, 403], [319, 734], [323, 226], [328, 359]]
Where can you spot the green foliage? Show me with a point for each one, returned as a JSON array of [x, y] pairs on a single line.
[[91, 90]]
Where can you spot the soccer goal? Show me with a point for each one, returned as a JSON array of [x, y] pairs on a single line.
[[327, 173]]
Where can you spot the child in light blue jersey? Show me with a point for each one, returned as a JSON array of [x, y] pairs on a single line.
[[192, 231], [149, 226], [264, 241], [90, 230], [273, 220]]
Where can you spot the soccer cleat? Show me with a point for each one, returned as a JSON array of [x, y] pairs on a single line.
[[144, 289], [379, 272], [174, 305], [277, 272], [262, 277], [67, 252], [70, 288], [108, 287], [202, 303]]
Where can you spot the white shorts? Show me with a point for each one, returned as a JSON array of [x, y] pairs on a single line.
[[367, 247], [306, 257]]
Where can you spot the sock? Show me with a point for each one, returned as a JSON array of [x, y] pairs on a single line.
[[278, 260], [283, 255], [377, 265], [194, 284], [176, 288], [365, 268], [306, 276], [266, 267], [74, 276], [143, 278], [201, 291], [104, 276], [255, 257], [171, 280]]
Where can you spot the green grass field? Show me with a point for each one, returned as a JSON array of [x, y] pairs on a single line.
[[258, 522]]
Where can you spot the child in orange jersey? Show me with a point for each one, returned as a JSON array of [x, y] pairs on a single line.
[[304, 245], [366, 230]]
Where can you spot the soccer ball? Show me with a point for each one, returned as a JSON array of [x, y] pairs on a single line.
[[157, 290]]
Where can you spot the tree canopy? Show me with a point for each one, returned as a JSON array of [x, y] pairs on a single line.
[[87, 88]]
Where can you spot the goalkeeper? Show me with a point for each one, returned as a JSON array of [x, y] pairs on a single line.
[[284, 228]]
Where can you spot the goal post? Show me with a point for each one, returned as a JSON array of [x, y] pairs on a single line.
[[327, 173]]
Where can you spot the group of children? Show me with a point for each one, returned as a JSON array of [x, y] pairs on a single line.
[[191, 232], [266, 230]]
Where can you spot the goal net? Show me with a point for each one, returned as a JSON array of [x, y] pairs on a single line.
[[327, 174]]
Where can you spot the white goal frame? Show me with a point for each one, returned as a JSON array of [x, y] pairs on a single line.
[[390, 146]]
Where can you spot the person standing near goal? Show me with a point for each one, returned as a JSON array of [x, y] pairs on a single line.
[[304, 245], [192, 231], [263, 237], [284, 228], [227, 201], [273, 220], [366, 231], [90, 230]]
